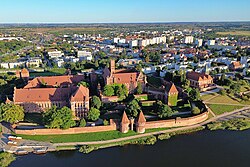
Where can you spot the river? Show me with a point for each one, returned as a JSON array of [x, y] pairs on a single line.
[[199, 149]]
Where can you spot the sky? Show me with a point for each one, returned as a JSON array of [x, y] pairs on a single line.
[[126, 11]]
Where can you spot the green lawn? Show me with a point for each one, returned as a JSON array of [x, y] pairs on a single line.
[[220, 109], [49, 72], [208, 96], [85, 137], [223, 99]]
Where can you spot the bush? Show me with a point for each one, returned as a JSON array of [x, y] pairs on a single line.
[[82, 123], [146, 141], [222, 92], [105, 122], [196, 111], [86, 149], [164, 136], [6, 159]]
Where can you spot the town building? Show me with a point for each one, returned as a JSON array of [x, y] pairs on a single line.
[[42, 93], [55, 54], [235, 65], [198, 42], [199, 80], [23, 73], [189, 40], [84, 55], [129, 77]]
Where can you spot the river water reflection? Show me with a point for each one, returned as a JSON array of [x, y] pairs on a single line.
[[200, 149]]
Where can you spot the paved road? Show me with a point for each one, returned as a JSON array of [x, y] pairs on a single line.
[[155, 133], [211, 91]]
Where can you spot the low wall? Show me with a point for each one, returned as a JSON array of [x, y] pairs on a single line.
[[76, 130], [177, 122]]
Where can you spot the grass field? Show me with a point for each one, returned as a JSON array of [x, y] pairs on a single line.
[[223, 99], [49, 72], [217, 98], [85, 137], [208, 96], [235, 33], [220, 109]]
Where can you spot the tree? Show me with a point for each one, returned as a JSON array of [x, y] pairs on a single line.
[[93, 114], [59, 118], [235, 87], [147, 58], [2, 82], [82, 123], [133, 108], [96, 102], [222, 92], [194, 94], [121, 91], [108, 90], [11, 113], [196, 110], [83, 83], [222, 79], [139, 89], [163, 110]]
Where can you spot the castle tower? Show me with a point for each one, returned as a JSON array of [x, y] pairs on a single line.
[[124, 125], [8, 101], [24, 74], [112, 66], [140, 123]]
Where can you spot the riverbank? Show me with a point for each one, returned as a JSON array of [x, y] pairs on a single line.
[[115, 138]]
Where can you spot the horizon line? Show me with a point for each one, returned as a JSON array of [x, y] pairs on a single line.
[[149, 22]]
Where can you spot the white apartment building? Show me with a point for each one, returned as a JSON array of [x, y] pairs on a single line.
[[189, 40], [84, 55], [133, 43], [55, 54], [211, 43], [198, 42]]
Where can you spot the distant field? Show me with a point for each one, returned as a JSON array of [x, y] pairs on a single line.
[[237, 33], [60, 30]]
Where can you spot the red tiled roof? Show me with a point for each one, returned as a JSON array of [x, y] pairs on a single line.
[[82, 93], [25, 71], [41, 94], [198, 76], [172, 89], [8, 101], [141, 118], [125, 119], [54, 81], [123, 78]]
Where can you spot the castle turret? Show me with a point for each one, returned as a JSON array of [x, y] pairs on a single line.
[[112, 66], [140, 123], [8, 101], [124, 125]]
